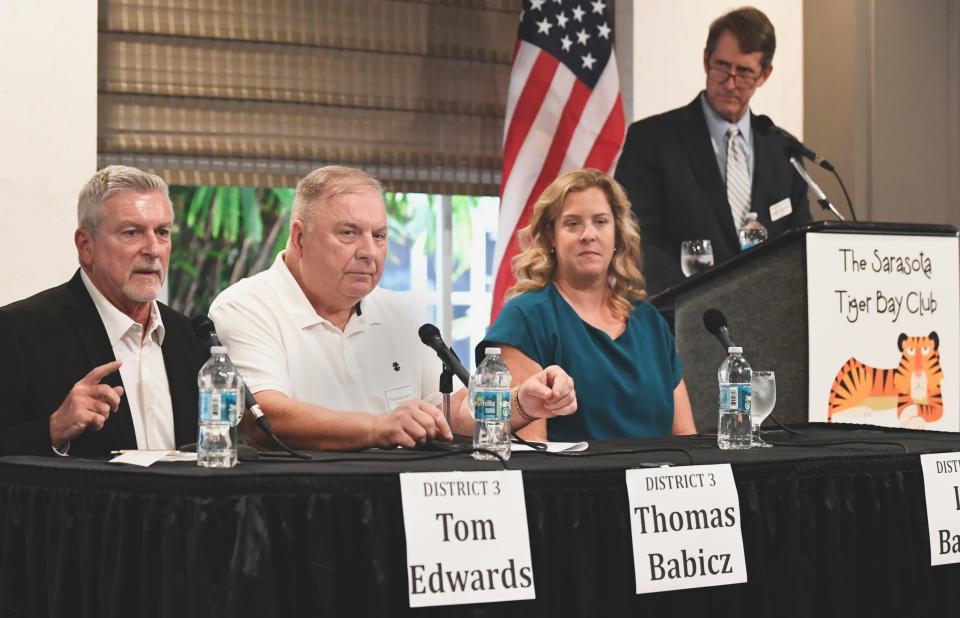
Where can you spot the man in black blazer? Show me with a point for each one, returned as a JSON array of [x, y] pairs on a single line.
[[63, 386], [674, 165]]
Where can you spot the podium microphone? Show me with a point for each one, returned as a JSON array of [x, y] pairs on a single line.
[[794, 150], [765, 126], [792, 153], [716, 323], [430, 336], [206, 332]]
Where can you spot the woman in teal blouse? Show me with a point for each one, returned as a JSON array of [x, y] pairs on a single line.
[[578, 304]]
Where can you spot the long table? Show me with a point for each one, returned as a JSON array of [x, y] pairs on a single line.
[[833, 520]]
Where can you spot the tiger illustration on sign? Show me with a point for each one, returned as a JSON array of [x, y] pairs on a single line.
[[913, 387]]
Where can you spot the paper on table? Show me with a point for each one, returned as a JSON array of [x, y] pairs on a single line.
[[148, 458], [178, 456], [554, 447]]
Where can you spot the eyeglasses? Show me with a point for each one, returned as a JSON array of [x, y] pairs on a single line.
[[740, 80]]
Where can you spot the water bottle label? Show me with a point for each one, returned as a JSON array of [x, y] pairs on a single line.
[[220, 406], [491, 405], [735, 397], [747, 244]]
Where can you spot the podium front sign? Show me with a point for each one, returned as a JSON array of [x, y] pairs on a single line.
[[884, 338]]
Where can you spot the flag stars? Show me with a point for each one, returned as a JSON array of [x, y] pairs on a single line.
[[566, 23]]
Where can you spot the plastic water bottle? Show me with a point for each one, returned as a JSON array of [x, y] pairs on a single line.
[[733, 429], [491, 406], [751, 232], [219, 385]]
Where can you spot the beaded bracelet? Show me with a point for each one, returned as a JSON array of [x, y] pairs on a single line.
[[519, 407]]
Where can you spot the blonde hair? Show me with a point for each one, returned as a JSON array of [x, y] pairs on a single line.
[[536, 265], [114, 180], [326, 183]]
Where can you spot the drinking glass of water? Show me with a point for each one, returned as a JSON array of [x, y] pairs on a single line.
[[695, 256], [764, 388]]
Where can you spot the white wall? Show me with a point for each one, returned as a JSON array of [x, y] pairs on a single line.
[[668, 57], [48, 124], [883, 104]]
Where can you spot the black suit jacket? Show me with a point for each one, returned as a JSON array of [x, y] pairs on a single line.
[[670, 173], [49, 341]]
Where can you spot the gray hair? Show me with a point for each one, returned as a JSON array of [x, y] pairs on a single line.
[[327, 183], [113, 180]]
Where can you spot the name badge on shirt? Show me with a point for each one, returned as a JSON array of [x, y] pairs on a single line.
[[396, 396], [781, 209]]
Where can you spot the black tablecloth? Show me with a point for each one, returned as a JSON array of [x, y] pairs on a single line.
[[834, 524]]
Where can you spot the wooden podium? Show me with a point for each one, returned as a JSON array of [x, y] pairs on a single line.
[[763, 293]]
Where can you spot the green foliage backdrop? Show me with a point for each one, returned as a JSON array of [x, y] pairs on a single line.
[[223, 234]]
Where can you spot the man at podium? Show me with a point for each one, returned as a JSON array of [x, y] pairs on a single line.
[[695, 172]]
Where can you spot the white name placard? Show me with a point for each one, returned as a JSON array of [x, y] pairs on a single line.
[[941, 482], [685, 524], [467, 539]]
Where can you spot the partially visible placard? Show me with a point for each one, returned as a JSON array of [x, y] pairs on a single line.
[[467, 538], [941, 483], [685, 523], [884, 338]]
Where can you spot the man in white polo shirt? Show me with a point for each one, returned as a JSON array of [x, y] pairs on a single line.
[[333, 360]]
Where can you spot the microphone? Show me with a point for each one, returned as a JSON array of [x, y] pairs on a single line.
[[206, 332], [765, 126], [821, 196], [795, 150], [716, 323], [430, 336]]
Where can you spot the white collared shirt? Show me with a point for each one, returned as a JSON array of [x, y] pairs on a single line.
[[278, 342], [143, 373]]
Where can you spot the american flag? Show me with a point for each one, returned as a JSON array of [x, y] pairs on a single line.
[[564, 112]]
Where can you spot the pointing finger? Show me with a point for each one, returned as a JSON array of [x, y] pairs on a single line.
[[98, 373]]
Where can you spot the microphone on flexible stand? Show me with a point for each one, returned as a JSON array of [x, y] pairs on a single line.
[[792, 153], [206, 332], [716, 323], [430, 336], [794, 150], [765, 126]]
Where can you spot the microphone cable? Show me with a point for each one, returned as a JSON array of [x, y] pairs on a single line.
[[846, 195], [789, 430], [390, 454], [264, 426], [206, 332]]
